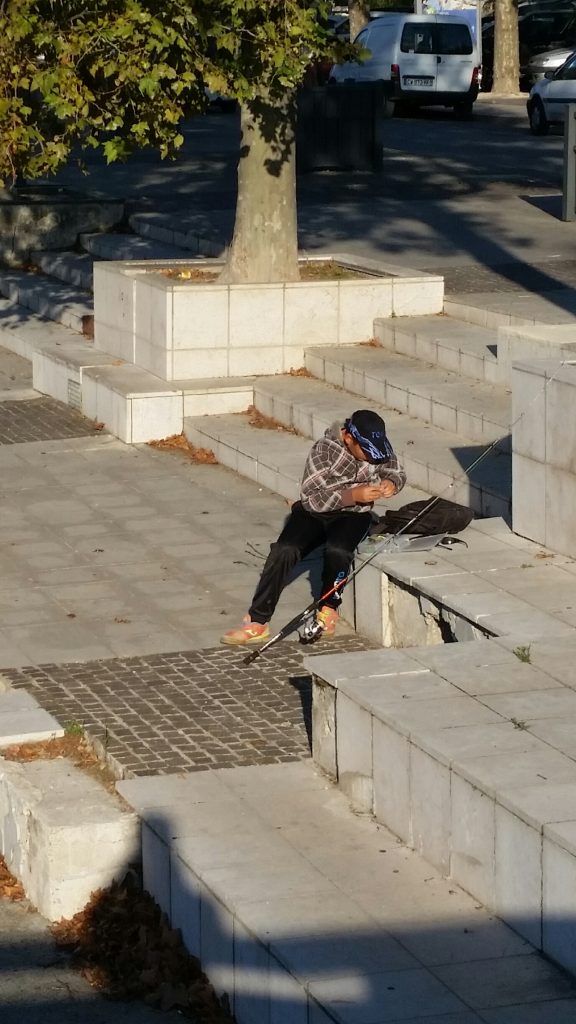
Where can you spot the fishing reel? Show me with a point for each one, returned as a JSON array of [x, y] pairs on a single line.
[[311, 630]]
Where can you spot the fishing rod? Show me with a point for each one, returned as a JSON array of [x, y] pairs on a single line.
[[315, 629]]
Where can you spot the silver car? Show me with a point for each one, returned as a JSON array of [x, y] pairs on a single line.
[[540, 63]]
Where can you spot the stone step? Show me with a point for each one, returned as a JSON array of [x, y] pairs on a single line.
[[434, 459], [466, 752], [313, 914], [64, 303], [71, 267], [472, 408], [115, 246], [511, 309], [194, 232], [26, 333], [447, 342]]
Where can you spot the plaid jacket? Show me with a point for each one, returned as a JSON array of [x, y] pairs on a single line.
[[331, 469]]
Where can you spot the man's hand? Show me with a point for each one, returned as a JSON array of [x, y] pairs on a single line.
[[387, 488], [366, 493]]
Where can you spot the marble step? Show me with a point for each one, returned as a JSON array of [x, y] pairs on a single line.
[[63, 303], [472, 408], [114, 246], [434, 459], [70, 267], [446, 341]]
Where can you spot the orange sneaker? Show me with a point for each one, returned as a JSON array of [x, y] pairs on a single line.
[[327, 617], [248, 633]]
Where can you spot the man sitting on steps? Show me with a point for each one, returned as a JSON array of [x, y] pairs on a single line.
[[347, 470]]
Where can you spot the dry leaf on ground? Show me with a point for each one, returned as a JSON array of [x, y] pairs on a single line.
[[180, 443]]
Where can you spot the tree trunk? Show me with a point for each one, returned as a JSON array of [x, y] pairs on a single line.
[[506, 77], [265, 243], [358, 16]]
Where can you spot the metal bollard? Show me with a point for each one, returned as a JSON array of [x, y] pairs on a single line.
[[569, 183]]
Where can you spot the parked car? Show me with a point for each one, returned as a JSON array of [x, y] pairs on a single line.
[[540, 28], [540, 63], [421, 59], [548, 98]]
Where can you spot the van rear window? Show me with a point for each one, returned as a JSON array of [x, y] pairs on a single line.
[[420, 37], [453, 39]]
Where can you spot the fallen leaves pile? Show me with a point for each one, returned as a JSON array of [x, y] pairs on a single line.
[[10, 888], [180, 443], [123, 945], [257, 419]]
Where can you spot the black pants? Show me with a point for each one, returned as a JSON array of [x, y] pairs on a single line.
[[341, 532]]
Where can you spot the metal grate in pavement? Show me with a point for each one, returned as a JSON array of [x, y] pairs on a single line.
[[187, 711]]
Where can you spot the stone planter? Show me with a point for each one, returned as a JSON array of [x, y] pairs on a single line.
[[182, 330]]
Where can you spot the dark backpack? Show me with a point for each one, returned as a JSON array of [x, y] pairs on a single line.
[[442, 516]]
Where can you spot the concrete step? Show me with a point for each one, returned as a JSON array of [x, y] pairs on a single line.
[[434, 459], [512, 309], [114, 246], [64, 303], [466, 753], [26, 333], [71, 267], [447, 342], [313, 915], [472, 408], [197, 233]]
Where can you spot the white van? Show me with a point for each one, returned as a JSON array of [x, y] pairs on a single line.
[[422, 59]]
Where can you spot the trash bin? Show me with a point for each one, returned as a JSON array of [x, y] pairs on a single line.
[[337, 127]]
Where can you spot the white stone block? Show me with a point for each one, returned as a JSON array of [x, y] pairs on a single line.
[[256, 361], [288, 998], [430, 808], [156, 868], [391, 774], [27, 726], [354, 752], [217, 944], [518, 876], [62, 834], [559, 904], [560, 496], [311, 314], [529, 498], [251, 978], [528, 414], [324, 726], [256, 317], [156, 418], [472, 857], [114, 311], [188, 364], [371, 601], [200, 317], [360, 303], [417, 297], [185, 902], [105, 406]]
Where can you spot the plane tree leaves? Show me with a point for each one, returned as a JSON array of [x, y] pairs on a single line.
[[122, 74]]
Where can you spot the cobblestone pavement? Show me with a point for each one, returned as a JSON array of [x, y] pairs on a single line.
[[548, 276], [41, 419], [190, 710]]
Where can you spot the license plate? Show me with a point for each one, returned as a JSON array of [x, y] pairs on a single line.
[[418, 81]]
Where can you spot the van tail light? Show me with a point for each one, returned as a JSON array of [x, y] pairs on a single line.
[[395, 72], [475, 76]]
